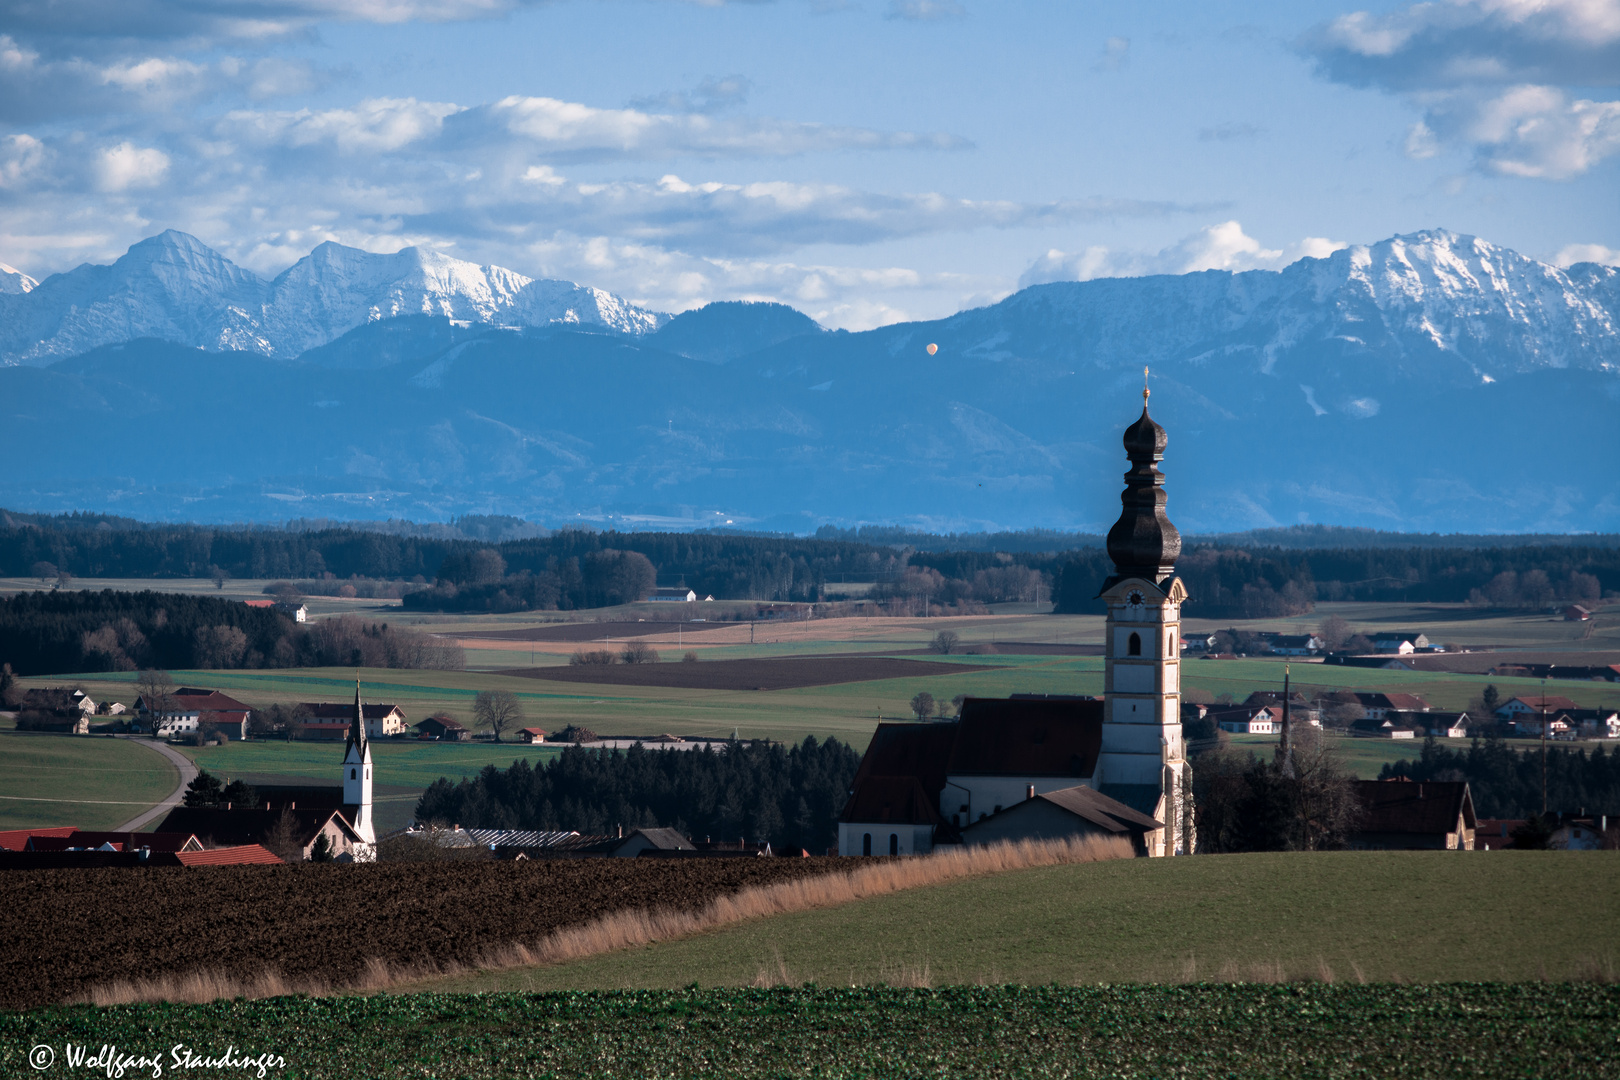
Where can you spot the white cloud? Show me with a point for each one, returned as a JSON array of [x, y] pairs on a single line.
[[1116, 52], [1498, 78], [125, 166], [925, 10], [21, 158], [1217, 247], [1592, 253], [711, 95], [373, 126]]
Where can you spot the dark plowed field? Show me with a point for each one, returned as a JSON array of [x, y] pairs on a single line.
[[775, 674], [64, 930], [590, 631]]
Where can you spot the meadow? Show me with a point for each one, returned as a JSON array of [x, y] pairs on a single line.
[[848, 711], [1384, 916], [48, 780]]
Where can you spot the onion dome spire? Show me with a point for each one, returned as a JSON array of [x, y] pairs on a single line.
[[1143, 542]]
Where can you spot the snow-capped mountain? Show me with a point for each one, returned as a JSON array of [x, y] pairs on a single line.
[[174, 287], [1430, 382], [14, 281], [1431, 304]]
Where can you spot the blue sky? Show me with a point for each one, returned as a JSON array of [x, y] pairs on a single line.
[[867, 161]]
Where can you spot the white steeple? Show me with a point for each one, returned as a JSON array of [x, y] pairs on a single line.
[[357, 775], [1141, 762]]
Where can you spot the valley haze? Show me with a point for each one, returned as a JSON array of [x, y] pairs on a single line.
[[1428, 382]]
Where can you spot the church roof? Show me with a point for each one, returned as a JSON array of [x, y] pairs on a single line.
[[1027, 737], [891, 800], [236, 827], [919, 750]]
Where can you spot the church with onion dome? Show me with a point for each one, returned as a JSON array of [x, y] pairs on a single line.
[[1055, 766]]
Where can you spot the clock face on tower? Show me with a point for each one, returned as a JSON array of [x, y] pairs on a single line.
[[1134, 599]]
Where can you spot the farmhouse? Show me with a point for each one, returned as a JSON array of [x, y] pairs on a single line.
[[674, 595], [1400, 642], [1402, 815], [1376, 706], [925, 784], [382, 721], [1577, 613], [1057, 815], [442, 727], [1533, 705], [1387, 727], [1249, 720], [189, 708], [1296, 644], [531, 735]]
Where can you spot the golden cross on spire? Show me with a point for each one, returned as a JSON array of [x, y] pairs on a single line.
[[1145, 390]]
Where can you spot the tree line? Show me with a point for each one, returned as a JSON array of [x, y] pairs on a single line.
[[791, 796], [47, 633], [573, 569], [1233, 582], [1506, 782]]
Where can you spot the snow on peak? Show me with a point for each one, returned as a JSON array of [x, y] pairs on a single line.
[[14, 282], [175, 287]]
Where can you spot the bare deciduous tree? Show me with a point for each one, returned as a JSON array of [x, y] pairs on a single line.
[[923, 705], [156, 690], [498, 710], [1334, 632], [946, 642], [639, 652]]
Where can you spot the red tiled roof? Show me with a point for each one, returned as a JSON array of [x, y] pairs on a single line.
[[1027, 737], [17, 839], [1539, 702], [188, 698], [229, 856]]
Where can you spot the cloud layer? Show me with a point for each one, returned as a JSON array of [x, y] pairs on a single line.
[[1525, 85], [1217, 247]]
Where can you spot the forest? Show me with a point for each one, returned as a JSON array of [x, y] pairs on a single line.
[[48, 633], [756, 791], [1506, 782], [574, 569]]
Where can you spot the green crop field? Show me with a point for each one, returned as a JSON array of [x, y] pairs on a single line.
[[1345, 915], [48, 780], [1419, 1032]]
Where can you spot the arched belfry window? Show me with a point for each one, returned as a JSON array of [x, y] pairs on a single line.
[[1133, 647], [352, 774]]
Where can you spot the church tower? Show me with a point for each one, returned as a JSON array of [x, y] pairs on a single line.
[[1141, 763], [357, 776]]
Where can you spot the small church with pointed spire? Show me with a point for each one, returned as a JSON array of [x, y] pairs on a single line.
[[300, 821], [357, 781]]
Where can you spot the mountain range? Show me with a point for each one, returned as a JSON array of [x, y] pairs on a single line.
[[1428, 382]]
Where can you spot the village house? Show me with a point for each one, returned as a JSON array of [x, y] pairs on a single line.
[[1403, 815], [680, 595], [382, 721], [189, 708], [1532, 706], [1399, 642], [1059, 815], [1296, 644], [442, 728], [531, 735], [1249, 720], [1577, 613], [1375, 706], [1387, 726]]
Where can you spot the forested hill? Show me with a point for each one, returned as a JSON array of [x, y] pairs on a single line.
[[575, 569]]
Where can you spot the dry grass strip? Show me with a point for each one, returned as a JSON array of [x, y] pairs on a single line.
[[629, 929]]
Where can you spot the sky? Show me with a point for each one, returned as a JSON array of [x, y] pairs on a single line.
[[867, 162]]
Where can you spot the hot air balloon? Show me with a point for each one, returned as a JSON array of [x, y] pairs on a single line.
[[932, 349]]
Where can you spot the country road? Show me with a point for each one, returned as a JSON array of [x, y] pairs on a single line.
[[188, 773]]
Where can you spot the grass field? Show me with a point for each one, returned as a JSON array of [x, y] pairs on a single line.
[[1122, 1033], [848, 711], [48, 780], [1349, 916]]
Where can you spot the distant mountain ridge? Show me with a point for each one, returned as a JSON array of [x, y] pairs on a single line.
[[1427, 383], [174, 287]]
